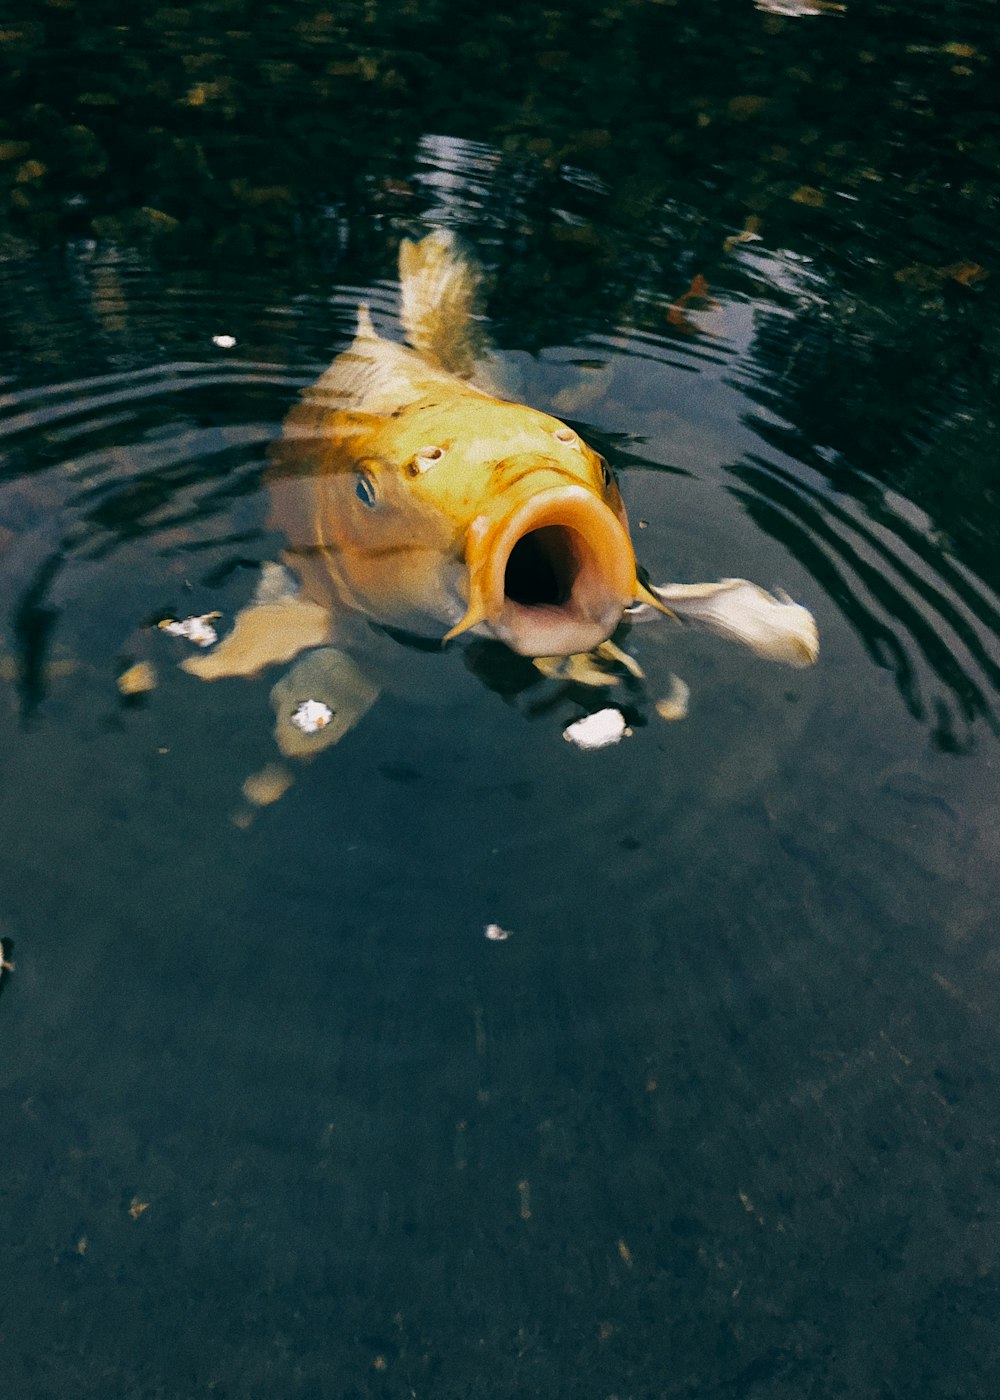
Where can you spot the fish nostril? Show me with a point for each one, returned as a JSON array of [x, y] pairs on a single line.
[[566, 435], [423, 458]]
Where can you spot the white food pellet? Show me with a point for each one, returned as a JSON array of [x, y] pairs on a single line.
[[311, 716], [598, 730], [196, 629]]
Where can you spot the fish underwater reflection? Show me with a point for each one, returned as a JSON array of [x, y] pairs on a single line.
[[414, 498]]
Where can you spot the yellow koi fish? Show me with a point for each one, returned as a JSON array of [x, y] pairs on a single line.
[[411, 496]]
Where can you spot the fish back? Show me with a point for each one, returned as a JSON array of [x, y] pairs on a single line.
[[373, 375]]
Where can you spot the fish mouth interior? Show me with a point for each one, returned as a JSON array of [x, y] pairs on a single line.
[[542, 567]]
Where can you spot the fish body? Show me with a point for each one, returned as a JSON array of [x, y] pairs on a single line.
[[414, 497], [411, 496]]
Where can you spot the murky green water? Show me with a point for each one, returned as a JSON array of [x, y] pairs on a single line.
[[719, 1119]]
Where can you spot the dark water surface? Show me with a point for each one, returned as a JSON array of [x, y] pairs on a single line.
[[720, 1118]]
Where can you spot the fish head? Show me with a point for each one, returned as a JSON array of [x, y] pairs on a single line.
[[465, 511]]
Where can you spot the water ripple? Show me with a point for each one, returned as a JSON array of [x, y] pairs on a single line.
[[917, 612], [130, 388]]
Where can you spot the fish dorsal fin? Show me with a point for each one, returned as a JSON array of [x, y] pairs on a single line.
[[440, 288]]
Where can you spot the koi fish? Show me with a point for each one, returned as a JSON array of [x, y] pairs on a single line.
[[412, 496]]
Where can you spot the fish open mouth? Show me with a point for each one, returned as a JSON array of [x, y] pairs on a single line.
[[553, 576], [542, 568]]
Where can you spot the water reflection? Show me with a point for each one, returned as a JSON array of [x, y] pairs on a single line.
[[462, 183]]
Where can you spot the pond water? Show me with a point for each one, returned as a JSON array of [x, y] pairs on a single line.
[[719, 1118]]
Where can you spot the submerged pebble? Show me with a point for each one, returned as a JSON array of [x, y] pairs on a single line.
[[138, 679], [674, 705], [265, 787]]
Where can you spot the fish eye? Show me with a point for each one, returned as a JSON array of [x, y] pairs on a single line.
[[566, 435], [365, 491], [606, 474]]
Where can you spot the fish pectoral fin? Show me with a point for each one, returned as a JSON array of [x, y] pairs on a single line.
[[265, 634], [774, 627], [600, 667], [332, 678], [579, 669], [609, 652]]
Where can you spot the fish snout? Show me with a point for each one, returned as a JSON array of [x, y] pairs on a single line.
[[550, 574]]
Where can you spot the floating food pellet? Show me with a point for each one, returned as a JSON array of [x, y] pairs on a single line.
[[224, 342], [195, 629], [598, 730], [496, 934], [311, 716]]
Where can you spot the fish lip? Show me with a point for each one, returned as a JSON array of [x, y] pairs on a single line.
[[589, 548]]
